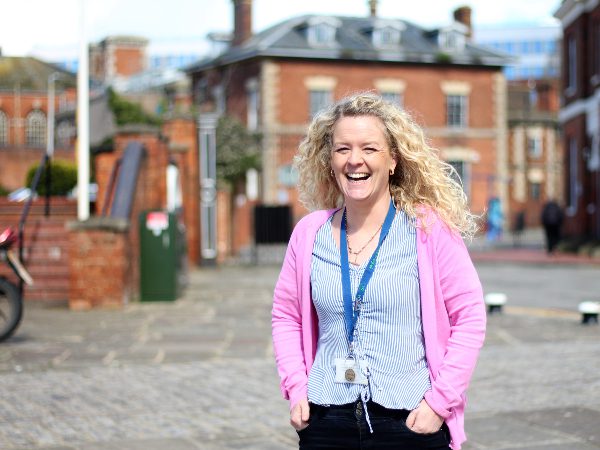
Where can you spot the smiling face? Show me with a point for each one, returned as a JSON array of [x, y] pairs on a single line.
[[361, 159]]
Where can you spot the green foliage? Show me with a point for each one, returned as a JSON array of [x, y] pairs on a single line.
[[127, 112], [107, 145], [237, 150], [443, 58], [3, 191], [63, 175]]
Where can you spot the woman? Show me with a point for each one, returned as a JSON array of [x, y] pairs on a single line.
[[378, 313]]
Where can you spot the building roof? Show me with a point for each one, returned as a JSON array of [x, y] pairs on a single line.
[[354, 42], [29, 73]]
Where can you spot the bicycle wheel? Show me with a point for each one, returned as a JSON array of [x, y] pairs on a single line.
[[11, 308]]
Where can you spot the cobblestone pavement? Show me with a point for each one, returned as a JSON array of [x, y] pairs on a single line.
[[198, 373]]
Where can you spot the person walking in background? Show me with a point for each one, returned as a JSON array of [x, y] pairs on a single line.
[[495, 218], [378, 314], [518, 228], [552, 219]]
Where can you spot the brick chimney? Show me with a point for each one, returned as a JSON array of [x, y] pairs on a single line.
[[373, 7], [242, 30], [463, 15]]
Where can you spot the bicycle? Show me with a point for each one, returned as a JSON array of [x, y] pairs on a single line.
[[11, 294]]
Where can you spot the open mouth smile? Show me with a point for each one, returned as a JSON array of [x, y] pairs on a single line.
[[358, 176]]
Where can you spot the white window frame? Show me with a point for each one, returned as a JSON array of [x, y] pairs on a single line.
[[457, 110], [387, 33], [452, 40], [201, 90], [391, 89], [253, 104], [393, 97], [220, 100], [321, 31], [534, 146], [319, 99], [463, 170], [535, 190], [3, 129], [35, 131]]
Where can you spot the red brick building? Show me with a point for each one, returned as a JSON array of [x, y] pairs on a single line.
[[24, 112], [580, 115], [274, 81], [535, 149], [117, 57]]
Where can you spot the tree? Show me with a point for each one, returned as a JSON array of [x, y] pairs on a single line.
[[128, 112], [63, 175], [237, 150]]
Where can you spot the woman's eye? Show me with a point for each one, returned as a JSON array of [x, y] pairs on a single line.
[[342, 150], [369, 150]]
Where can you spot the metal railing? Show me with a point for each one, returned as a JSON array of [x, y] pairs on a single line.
[[44, 165]]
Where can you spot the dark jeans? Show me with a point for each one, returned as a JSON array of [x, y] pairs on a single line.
[[552, 236], [345, 428]]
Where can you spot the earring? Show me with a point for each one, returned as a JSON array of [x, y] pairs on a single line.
[[332, 174], [391, 172]]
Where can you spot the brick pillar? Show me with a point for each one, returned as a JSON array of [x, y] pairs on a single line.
[[183, 149], [101, 264]]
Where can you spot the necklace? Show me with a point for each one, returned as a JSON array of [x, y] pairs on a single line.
[[358, 252]]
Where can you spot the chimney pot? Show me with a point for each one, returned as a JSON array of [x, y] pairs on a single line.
[[462, 15], [242, 16], [373, 7]]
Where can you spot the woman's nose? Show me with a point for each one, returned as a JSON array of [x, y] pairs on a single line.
[[356, 156]]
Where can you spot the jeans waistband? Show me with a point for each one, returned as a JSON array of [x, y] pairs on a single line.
[[374, 408]]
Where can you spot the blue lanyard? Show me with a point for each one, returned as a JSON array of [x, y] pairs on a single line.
[[352, 309]]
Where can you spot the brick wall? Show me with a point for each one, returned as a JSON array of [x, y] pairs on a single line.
[[128, 61], [578, 31], [429, 111], [46, 246], [101, 264], [578, 223], [283, 120], [16, 162]]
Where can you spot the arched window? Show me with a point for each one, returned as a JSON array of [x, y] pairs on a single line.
[[3, 129], [65, 134], [36, 129]]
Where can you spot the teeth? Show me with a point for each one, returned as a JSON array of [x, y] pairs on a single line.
[[357, 176]]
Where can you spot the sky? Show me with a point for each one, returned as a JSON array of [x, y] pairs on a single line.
[[51, 29]]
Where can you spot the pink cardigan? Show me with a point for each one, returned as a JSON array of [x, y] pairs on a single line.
[[452, 307]]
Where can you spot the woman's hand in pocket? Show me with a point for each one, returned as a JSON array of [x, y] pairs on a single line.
[[299, 415], [424, 420]]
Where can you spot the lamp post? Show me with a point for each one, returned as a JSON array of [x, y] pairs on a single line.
[[51, 100], [207, 124], [50, 137], [83, 122]]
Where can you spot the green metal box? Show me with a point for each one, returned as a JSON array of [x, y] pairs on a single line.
[[161, 256]]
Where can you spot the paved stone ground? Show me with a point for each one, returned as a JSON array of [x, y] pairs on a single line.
[[198, 373]]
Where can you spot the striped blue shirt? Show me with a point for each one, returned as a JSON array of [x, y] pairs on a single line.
[[389, 334]]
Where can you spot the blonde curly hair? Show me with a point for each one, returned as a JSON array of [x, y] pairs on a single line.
[[421, 178]]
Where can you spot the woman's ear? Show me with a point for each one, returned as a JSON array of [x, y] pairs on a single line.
[[394, 162]]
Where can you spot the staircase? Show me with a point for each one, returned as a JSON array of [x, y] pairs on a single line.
[[46, 249]]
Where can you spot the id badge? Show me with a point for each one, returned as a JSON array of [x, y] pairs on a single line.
[[348, 370]]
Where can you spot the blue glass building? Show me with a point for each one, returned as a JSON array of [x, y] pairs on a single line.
[[535, 49]]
